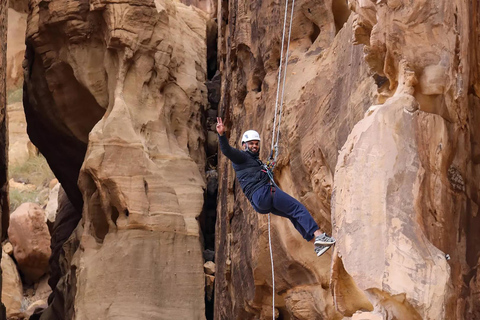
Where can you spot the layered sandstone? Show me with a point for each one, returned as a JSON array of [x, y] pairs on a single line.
[[17, 24], [400, 80], [405, 182], [4, 211], [126, 79], [378, 140], [12, 290], [322, 104]]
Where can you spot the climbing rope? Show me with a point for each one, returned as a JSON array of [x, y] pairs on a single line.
[[275, 138]]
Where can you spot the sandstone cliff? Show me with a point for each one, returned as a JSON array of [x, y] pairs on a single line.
[[4, 211], [114, 94], [395, 90], [378, 139]]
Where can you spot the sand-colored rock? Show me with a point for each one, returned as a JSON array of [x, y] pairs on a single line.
[[20, 147], [28, 233], [209, 267], [52, 204], [7, 248], [209, 286], [21, 186], [322, 104], [405, 191], [36, 306], [17, 24], [4, 210], [12, 290], [400, 180], [142, 179], [401, 260]]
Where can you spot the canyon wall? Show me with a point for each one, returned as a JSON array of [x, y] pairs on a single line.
[[114, 98], [4, 210], [379, 141]]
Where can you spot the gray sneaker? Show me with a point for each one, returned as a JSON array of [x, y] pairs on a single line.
[[319, 250], [323, 239]]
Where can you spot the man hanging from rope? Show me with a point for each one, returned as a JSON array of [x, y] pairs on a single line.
[[262, 192]]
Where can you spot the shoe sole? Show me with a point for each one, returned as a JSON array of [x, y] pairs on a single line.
[[324, 243], [321, 252]]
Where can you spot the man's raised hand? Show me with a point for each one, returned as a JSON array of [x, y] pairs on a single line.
[[220, 126]]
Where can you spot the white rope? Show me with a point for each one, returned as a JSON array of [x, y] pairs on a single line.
[[273, 273], [275, 140], [280, 71], [284, 78]]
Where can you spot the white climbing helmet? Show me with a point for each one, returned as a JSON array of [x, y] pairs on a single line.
[[250, 135]]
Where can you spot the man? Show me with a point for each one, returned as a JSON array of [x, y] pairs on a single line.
[[263, 194]]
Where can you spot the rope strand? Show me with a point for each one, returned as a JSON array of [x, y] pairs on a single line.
[[284, 79], [275, 140], [280, 69]]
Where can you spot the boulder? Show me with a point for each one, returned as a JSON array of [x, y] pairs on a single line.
[[8, 248], [28, 233], [209, 267]]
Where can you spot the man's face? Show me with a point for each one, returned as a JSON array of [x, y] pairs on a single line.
[[253, 145]]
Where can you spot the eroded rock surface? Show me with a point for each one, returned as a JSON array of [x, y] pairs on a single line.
[[28, 233], [12, 290], [405, 185], [405, 178], [129, 82], [322, 104], [17, 24]]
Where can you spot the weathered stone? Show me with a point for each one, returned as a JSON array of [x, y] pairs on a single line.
[[17, 24], [19, 150], [367, 316], [52, 204], [322, 103], [4, 208], [209, 255], [12, 290], [36, 306], [8, 248], [64, 244], [28, 233], [209, 267], [400, 180], [21, 186], [209, 286], [142, 178]]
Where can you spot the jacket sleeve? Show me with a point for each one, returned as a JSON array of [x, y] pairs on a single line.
[[236, 156]]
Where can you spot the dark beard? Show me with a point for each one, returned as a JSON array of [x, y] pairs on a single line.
[[255, 154]]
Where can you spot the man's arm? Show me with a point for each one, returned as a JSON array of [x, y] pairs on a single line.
[[236, 156]]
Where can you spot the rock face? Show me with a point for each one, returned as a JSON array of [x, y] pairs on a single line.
[[20, 147], [322, 104], [3, 125], [12, 290], [378, 139], [28, 233], [129, 81], [407, 172], [17, 24], [4, 210], [405, 179]]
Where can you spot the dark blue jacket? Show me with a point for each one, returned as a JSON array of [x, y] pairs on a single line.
[[247, 166]]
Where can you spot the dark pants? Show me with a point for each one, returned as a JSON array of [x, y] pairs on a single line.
[[281, 204]]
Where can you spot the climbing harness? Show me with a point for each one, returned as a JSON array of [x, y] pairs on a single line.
[[270, 165]]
